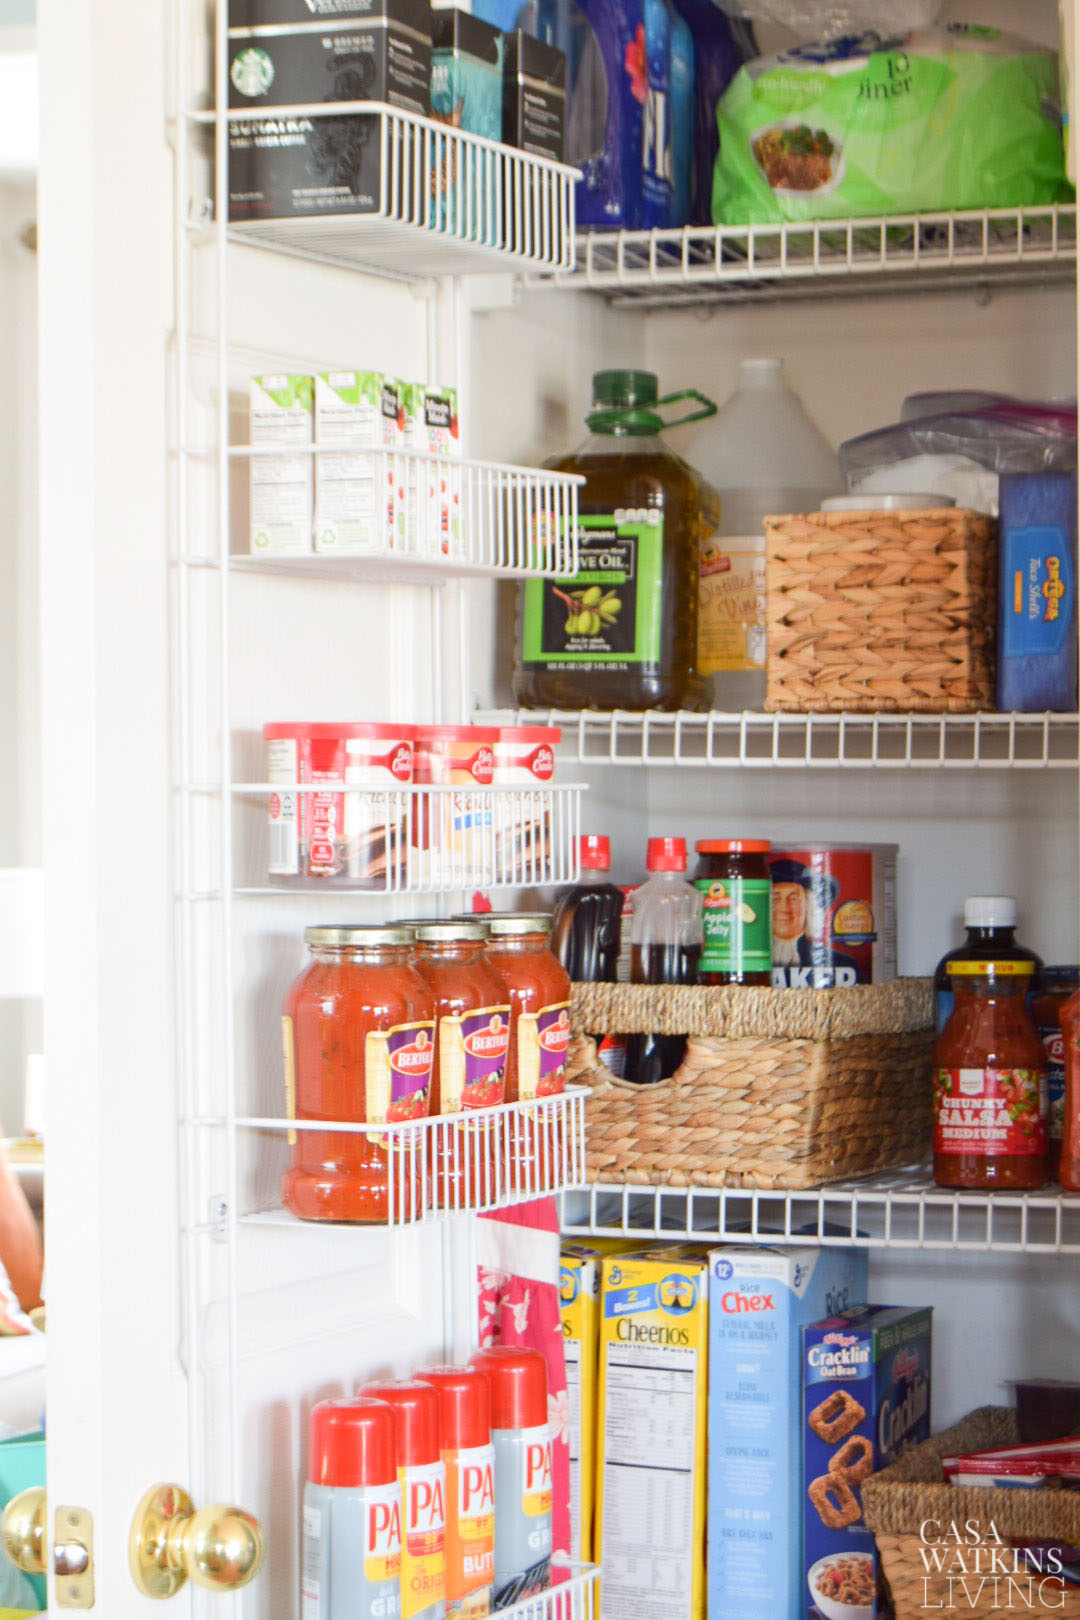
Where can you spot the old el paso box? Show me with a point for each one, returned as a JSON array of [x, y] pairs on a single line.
[[650, 1485], [285, 164], [579, 1289], [760, 1299], [833, 915], [866, 1399]]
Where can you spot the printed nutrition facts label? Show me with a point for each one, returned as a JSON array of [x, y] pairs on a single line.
[[649, 1482], [572, 1355]]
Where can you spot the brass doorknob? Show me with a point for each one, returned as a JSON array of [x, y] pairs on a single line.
[[22, 1526], [220, 1547]]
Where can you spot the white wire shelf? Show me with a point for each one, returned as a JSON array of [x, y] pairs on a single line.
[[430, 1169], [838, 257], [901, 1210], [452, 516], [810, 741], [417, 840], [445, 202]]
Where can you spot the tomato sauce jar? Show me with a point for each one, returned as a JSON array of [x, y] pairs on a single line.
[[472, 1035], [1053, 987], [990, 1091], [539, 991], [358, 1037]]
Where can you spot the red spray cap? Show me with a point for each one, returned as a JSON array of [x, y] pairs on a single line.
[[595, 852], [518, 1379], [464, 1406], [666, 855], [352, 1443], [416, 1416]]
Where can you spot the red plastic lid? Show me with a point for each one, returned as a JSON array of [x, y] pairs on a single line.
[[525, 735], [666, 855], [733, 846], [518, 1379], [416, 1416], [432, 736], [464, 1405], [595, 852], [327, 730], [352, 1443]]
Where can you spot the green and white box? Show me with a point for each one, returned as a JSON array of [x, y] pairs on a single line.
[[282, 422], [358, 430]]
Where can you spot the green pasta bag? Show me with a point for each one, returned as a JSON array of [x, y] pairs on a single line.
[[950, 118]]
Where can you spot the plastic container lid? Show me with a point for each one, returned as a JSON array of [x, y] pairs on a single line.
[[464, 1405], [352, 1442], [873, 502], [326, 730], [530, 734], [733, 846], [434, 735], [666, 855], [518, 1379], [990, 911], [594, 851], [618, 388], [375, 935], [416, 1418]]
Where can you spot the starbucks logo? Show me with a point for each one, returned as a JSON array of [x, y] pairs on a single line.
[[252, 72]]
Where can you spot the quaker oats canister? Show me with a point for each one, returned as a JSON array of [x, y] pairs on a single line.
[[833, 915]]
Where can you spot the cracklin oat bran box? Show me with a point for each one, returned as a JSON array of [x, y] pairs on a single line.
[[649, 1532], [579, 1288], [866, 1382], [759, 1300]]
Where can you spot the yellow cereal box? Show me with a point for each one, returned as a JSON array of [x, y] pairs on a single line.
[[579, 1287], [649, 1524]]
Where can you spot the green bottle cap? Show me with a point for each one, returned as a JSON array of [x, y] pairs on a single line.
[[624, 388]]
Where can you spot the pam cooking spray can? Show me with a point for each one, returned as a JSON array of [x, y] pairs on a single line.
[[423, 1497], [469, 1459], [522, 1440], [352, 1514]]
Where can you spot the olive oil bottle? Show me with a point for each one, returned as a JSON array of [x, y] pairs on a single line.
[[621, 633]]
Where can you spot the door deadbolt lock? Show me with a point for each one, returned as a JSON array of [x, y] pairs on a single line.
[[22, 1528], [221, 1547]]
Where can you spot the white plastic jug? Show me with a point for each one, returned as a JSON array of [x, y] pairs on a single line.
[[762, 454]]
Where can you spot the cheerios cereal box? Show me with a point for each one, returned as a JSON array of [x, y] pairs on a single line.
[[760, 1299], [866, 1399], [649, 1528]]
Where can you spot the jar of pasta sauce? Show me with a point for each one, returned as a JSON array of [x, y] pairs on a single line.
[[1053, 987], [539, 991], [358, 1036], [990, 1094], [472, 1035]]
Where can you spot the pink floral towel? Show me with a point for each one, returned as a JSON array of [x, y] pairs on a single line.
[[517, 1252]]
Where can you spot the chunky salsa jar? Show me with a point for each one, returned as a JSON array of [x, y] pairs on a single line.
[[990, 1093], [358, 1035], [472, 1035], [539, 991]]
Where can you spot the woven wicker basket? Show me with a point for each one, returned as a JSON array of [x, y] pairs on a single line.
[[779, 1088], [904, 1497], [881, 610]]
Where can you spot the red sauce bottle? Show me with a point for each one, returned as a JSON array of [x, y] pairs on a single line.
[[990, 1093], [358, 1039], [1069, 1168]]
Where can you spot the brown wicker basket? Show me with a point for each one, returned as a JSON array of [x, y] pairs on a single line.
[[779, 1088], [881, 610], [905, 1496]]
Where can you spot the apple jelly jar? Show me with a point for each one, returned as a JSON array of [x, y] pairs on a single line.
[[358, 1035]]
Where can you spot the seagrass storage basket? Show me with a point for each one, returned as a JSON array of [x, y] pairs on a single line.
[[881, 610], [903, 1503], [778, 1089]]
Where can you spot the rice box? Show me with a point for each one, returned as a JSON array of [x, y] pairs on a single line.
[[282, 422], [760, 1299], [649, 1532], [579, 1291], [866, 1399], [359, 425]]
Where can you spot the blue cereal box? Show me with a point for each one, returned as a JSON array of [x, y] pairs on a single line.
[[760, 1299], [1037, 593], [866, 1399]]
